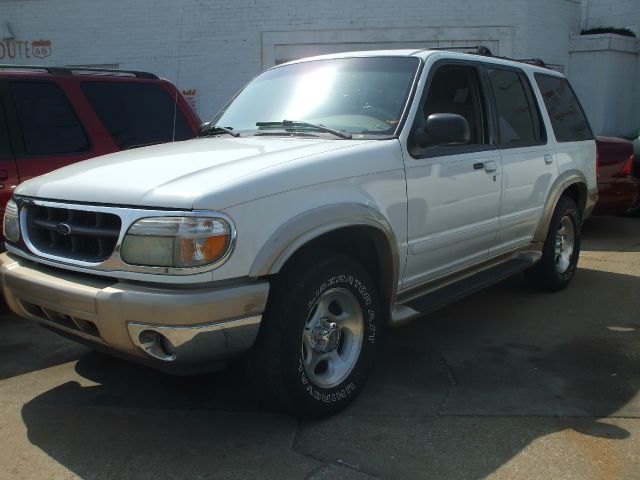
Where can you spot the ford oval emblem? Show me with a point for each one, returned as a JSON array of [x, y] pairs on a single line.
[[63, 229]]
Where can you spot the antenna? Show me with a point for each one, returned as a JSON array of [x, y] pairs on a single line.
[[175, 102]]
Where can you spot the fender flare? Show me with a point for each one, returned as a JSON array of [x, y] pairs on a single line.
[[564, 181], [307, 226]]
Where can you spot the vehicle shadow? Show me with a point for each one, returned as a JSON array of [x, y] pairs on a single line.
[[509, 366], [26, 347], [456, 395], [611, 233]]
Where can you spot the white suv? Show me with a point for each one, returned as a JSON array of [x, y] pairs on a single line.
[[332, 196]]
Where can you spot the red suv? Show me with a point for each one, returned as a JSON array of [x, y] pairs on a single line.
[[52, 117]]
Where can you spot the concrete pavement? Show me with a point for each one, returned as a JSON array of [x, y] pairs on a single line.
[[508, 383]]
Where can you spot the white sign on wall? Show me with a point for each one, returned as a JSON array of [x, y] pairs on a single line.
[[25, 49]]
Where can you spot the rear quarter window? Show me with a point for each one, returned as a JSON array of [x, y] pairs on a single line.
[[568, 120], [5, 145], [137, 114], [48, 122]]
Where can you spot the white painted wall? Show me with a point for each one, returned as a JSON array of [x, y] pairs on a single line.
[[613, 13], [607, 98], [220, 45]]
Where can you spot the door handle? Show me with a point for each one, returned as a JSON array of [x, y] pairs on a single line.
[[478, 166], [548, 158], [490, 166]]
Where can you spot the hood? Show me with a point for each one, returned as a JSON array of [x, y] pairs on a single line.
[[173, 175]]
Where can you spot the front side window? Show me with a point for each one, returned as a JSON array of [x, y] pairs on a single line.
[[137, 114], [456, 89], [49, 124], [567, 118], [360, 96], [516, 121]]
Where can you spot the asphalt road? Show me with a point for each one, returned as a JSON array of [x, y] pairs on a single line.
[[508, 383]]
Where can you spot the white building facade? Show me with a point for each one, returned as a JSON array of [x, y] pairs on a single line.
[[210, 48]]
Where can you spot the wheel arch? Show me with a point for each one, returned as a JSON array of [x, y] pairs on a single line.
[[572, 184], [355, 229]]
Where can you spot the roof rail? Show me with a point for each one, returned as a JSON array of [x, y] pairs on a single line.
[[484, 51], [82, 71], [538, 62]]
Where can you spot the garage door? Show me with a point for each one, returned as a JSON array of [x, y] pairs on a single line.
[[280, 47]]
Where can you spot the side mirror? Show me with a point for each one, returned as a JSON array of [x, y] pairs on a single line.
[[443, 129]]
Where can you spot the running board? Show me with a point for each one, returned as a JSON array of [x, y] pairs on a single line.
[[456, 288]]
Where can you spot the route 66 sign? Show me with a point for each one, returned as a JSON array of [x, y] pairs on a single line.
[[41, 48]]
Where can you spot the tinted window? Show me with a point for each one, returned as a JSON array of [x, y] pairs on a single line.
[[137, 114], [515, 120], [49, 124], [567, 118], [455, 89], [5, 146]]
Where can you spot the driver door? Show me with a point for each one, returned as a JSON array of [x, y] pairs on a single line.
[[453, 190]]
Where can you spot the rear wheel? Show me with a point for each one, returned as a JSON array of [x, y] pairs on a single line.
[[561, 249], [318, 336]]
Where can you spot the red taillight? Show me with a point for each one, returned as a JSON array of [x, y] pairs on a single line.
[[628, 167]]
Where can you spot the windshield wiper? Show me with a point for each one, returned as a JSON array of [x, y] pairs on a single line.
[[306, 125], [208, 129]]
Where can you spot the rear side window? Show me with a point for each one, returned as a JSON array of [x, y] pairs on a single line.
[[5, 145], [48, 122], [519, 122], [567, 117], [137, 114]]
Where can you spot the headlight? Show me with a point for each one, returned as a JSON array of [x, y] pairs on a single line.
[[179, 242], [11, 224]]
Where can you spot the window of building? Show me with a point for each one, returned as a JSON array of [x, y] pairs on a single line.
[[137, 114], [49, 124], [567, 117], [519, 122]]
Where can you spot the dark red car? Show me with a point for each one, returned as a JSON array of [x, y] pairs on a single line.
[[52, 117], [634, 136], [617, 185]]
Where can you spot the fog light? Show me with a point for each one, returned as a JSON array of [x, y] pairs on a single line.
[[166, 346], [157, 345]]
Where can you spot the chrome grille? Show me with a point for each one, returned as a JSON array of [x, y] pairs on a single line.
[[87, 236]]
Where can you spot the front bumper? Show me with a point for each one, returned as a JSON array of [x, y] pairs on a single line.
[[171, 328]]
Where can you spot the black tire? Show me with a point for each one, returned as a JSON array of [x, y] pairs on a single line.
[[546, 275], [278, 360]]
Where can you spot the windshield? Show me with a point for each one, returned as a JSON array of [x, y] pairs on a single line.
[[361, 96]]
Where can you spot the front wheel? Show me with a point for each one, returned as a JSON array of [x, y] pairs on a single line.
[[318, 336], [561, 249]]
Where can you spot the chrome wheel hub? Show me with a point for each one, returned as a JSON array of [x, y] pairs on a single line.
[[332, 337], [324, 336], [565, 240]]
